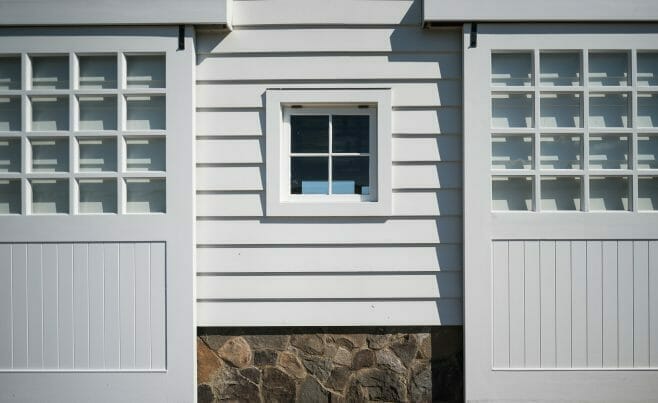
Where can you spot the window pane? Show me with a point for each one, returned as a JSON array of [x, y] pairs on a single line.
[[145, 71], [647, 193], [647, 151], [512, 193], [10, 196], [10, 114], [608, 68], [647, 110], [511, 69], [50, 113], [647, 68], [98, 196], [560, 110], [97, 155], [560, 193], [50, 72], [309, 175], [98, 72], [50, 155], [145, 154], [512, 110], [560, 69], [608, 193], [98, 113], [351, 133], [145, 113], [511, 152], [309, 134], [608, 152], [609, 110], [145, 195], [50, 196], [10, 155], [10, 73], [351, 175], [561, 151]]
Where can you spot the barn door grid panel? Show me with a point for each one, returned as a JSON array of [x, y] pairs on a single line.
[[561, 195]]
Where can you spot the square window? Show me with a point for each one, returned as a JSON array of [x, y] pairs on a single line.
[[561, 151], [50, 113], [97, 113], [97, 196], [10, 73], [511, 69], [98, 72], [559, 69], [511, 152], [608, 193], [10, 196], [145, 196], [560, 193], [10, 114], [608, 69], [511, 193], [608, 151], [10, 155], [97, 154], [145, 71], [50, 72], [50, 196], [328, 152], [145, 112], [560, 110], [512, 110], [49, 155], [145, 154], [609, 110]]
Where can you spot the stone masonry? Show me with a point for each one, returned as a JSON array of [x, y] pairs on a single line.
[[305, 365]]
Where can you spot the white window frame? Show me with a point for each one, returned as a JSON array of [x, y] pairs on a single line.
[[281, 104]]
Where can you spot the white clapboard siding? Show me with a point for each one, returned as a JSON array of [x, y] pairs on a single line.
[[333, 258], [82, 306], [250, 122], [299, 286], [404, 269], [319, 12], [574, 304], [418, 66], [329, 231], [427, 203], [429, 93], [323, 40], [443, 311]]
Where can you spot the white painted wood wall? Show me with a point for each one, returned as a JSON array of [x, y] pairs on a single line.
[[399, 270]]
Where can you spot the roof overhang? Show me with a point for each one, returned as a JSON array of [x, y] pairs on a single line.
[[459, 11], [114, 12]]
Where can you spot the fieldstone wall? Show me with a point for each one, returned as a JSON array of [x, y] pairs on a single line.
[[321, 365]]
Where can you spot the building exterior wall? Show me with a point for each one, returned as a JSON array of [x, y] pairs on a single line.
[[402, 269]]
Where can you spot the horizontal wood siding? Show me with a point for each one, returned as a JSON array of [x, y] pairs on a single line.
[[405, 269], [575, 304], [82, 306]]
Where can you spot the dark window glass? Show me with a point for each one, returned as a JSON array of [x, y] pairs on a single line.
[[351, 134], [351, 175], [309, 175], [309, 134]]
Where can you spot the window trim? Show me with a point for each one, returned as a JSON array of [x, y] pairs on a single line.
[[279, 201]]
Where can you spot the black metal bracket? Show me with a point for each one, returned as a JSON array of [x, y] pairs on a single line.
[[474, 35], [181, 37]]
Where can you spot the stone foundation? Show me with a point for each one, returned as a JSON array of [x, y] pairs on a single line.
[[329, 365]]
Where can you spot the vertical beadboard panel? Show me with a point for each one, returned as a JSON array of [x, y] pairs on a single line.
[[609, 289], [65, 304], [653, 304], [81, 305], [5, 306], [578, 304], [50, 306], [517, 304], [96, 311], [157, 303], [111, 334], [142, 306], [532, 306], [500, 305], [127, 304], [625, 304], [563, 303], [594, 305], [19, 305], [641, 304], [547, 281], [34, 307]]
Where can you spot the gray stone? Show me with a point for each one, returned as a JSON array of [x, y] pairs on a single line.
[[389, 361], [405, 348], [338, 379], [265, 357], [290, 363], [343, 357], [236, 352], [204, 394], [354, 393], [351, 341], [278, 387], [319, 367], [380, 385], [269, 341], [312, 392], [420, 382], [425, 346], [230, 385], [308, 343], [377, 341], [214, 341], [363, 359], [252, 374]]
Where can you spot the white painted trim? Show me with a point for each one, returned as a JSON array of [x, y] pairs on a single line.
[[278, 199]]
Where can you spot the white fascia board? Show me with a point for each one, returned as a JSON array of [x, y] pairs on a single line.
[[117, 12], [458, 11]]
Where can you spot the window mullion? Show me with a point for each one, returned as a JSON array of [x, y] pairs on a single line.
[[330, 165], [585, 77], [632, 158]]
